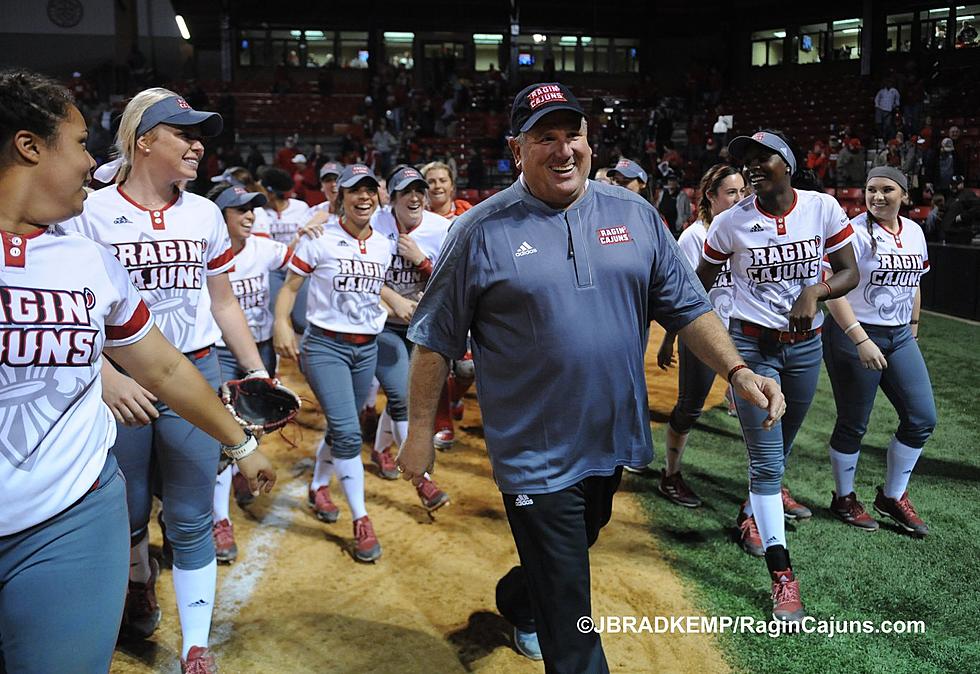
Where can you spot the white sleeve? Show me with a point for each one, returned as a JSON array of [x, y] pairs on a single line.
[[304, 259], [219, 256], [129, 319]]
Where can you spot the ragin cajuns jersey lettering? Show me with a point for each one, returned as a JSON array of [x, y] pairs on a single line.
[[359, 276], [403, 273], [251, 292], [785, 261], [173, 263], [898, 270], [26, 339]]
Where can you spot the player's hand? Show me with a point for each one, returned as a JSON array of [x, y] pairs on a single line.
[[871, 356], [665, 354], [130, 403], [314, 228], [284, 340], [416, 457], [410, 250], [762, 392], [259, 472], [803, 310], [403, 308]]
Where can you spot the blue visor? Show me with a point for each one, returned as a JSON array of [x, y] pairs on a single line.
[[176, 112], [739, 145], [236, 197]]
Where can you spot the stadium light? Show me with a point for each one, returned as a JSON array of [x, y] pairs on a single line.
[[608, 111], [182, 27], [538, 37], [779, 33]]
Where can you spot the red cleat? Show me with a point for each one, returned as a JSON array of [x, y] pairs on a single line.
[[786, 604], [225, 548], [199, 661], [431, 496], [366, 545], [323, 506], [386, 464]]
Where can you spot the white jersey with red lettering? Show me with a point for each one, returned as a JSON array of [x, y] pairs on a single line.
[[169, 254], [281, 227], [55, 431], [346, 275], [405, 278], [774, 257], [249, 277], [890, 274], [691, 243]]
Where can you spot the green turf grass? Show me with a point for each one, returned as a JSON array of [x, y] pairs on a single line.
[[845, 573]]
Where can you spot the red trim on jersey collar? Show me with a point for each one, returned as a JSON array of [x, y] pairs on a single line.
[[156, 215], [361, 243], [796, 198], [897, 236], [15, 247], [141, 206]]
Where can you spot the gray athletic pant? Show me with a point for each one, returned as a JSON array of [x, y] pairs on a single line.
[[694, 381], [63, 584], [394, 354]]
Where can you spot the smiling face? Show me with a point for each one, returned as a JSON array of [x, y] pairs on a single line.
[[441, 188], [555, 158], [729, 192], [883, 198], [768, 171], [239, 221], [66, 168], [408, 207], [360, 203], [174, 151], [329, 187]]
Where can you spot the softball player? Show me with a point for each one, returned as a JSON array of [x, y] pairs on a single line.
[[721, 188], [418, 235], [346, 267], [627, 173], [443, 201], [871, 343], [775, 241], [255, 257], [176, 248], [63, 521], [280, 220]]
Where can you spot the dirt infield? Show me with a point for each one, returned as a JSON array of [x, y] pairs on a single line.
[[297, 602]]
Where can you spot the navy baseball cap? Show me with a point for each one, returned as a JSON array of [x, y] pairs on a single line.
[[739, 145], [227, 177], [355, 173], [331, 168], [175, 111], [628, 169], [405, 177], [236, 197], [536, 101]]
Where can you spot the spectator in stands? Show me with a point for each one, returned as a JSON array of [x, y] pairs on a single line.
[[298, 175], [850, 164], [934, 221], [945, 165], [284, 157], [818, 161], [710, 155], [889, 155], [254, 160], [927, 133], [887, 102], [912, 104], [384, 143], [476, 172], [673, 204], [962, 220]]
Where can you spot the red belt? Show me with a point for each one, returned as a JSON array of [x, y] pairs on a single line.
[[344, 336], [200, 353], [770, 335]]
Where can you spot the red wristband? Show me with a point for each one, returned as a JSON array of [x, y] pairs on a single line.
[[830, 291], [731, 373]]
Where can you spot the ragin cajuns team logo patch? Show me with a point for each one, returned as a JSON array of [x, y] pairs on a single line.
[[611, 235], [549, 93]]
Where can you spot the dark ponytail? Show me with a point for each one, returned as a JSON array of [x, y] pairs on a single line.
[[871, 222]]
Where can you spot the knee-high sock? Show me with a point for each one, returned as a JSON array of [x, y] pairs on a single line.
[[676, 442], [194, 591], [324, 466], [139, 561], [844, 467], [400, 431], [901, 461], [768, 512], [222, 493], [384, 436], [350, 472]]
